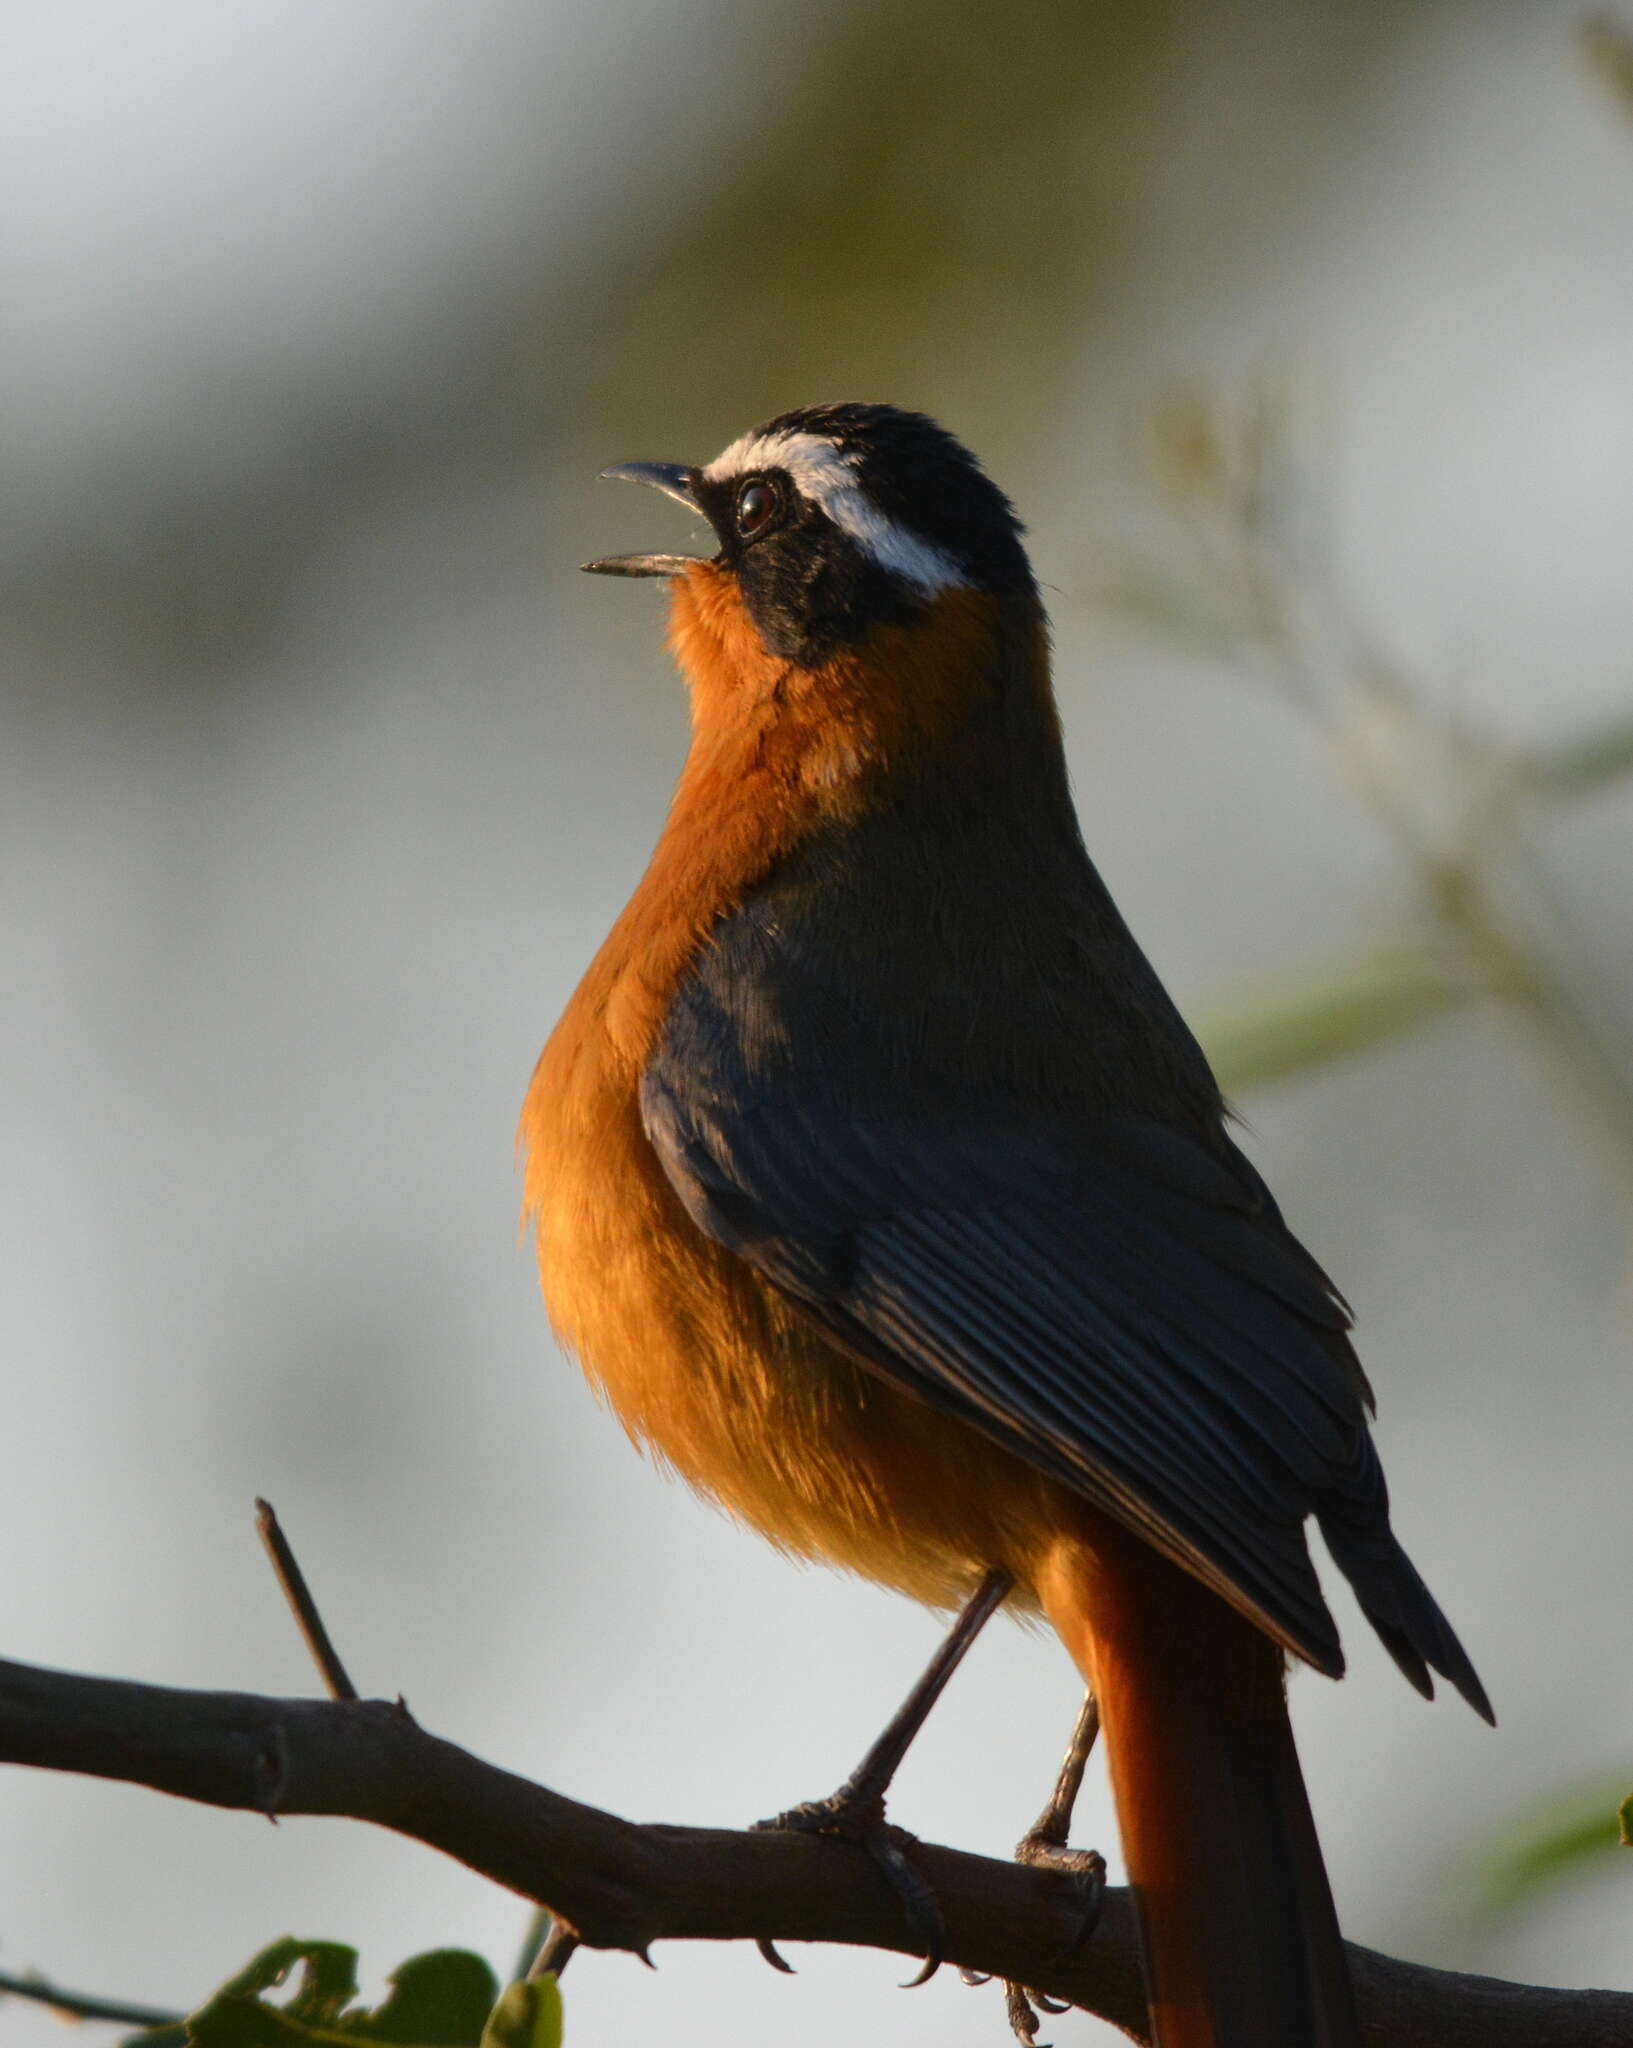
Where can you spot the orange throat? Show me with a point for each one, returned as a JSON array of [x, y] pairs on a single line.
[[778, 753], [701, 1360]]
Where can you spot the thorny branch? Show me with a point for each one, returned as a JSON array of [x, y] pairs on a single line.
[[618, 1885]]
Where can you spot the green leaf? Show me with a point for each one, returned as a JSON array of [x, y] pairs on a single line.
[[1591, 761], [1298, 1024], [328, 1979], [1624, 1822], [438, 2000], [527, 2016], [237, 2018], [1559, 1845]]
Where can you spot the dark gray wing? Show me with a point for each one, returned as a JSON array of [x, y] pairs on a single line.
[[1119, 1306]]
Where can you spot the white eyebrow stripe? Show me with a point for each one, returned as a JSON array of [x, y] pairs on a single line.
[[821, 473]]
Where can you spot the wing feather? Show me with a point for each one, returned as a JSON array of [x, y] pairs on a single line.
[[1117, 1303]]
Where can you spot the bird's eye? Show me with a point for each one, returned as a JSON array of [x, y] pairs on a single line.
[[756, 508]]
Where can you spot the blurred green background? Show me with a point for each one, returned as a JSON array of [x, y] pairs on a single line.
[[1301, 335]]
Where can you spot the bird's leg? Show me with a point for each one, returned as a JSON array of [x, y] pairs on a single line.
[[859, 1802], [856, 1812], [1044, 1842], [1044, 1846]]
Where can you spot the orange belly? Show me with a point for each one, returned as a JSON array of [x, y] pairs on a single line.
[[706, 1367], [700, 1359]]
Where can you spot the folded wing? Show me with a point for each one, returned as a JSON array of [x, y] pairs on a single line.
[[1118, 1304]]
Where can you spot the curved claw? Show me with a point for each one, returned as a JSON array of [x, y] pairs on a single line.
[[884, 1845], [1087, 1870], [973, 1978], [1019, 2001], [861, 1820], [1023, 2021], [768, 1948]]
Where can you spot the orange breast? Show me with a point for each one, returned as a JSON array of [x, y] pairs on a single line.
[[702, 1362]]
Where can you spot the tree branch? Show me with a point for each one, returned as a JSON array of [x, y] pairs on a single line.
[[80, 2005], [292, 1583], [618, 1885]]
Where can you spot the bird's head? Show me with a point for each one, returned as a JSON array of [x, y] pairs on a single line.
[[836, 521], [866, 654], [869, 610]]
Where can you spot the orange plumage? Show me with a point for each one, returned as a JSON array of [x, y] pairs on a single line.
[[884, 1195], [703, 1362]]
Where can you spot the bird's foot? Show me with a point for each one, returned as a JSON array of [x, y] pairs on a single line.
[[1043, 1847], [856, 1813], [1039, 1849]]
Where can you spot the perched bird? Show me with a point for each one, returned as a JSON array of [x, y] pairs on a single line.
[[884, 1193]]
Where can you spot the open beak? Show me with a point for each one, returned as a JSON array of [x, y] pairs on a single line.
[[674, 481]]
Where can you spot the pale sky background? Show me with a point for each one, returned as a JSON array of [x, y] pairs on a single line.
[[322, 771]]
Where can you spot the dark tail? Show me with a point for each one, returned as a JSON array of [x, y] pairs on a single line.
[[1241, 1940], [1394, 1599]]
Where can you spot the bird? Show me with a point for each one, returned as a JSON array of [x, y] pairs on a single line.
[[882, 1191]]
